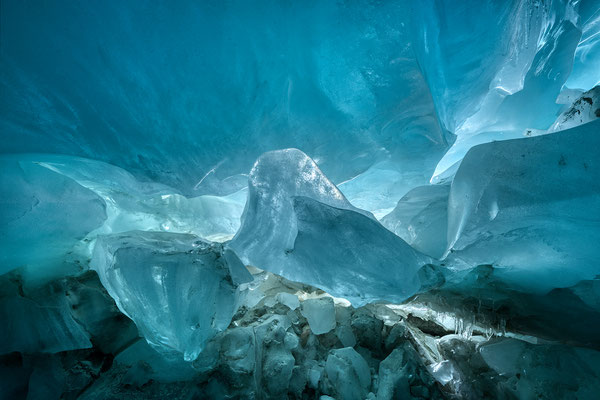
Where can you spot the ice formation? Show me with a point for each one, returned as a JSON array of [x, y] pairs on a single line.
[[528, 205], [299, 225], [279, 200], [179, 290]]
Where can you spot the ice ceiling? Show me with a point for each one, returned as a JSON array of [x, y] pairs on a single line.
[[187, 164]]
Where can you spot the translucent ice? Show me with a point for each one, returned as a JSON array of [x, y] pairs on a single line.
[[297, 224], [345, 88], [43, 216], [349, 373], [179, 290], [508, 79], [529, 205], [421, 219], [320, 314], [132, 204]]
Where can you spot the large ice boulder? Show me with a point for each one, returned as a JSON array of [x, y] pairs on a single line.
[[179, 290], [297, 224]]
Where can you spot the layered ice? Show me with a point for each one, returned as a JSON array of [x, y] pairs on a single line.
[[137, 205], [60, 204], [298, 224], [179, 290]]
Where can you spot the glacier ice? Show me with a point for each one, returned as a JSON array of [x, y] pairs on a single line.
[[179, 290], [193, 110], [506, 81], [46, 210], [528, 205], [40, 324], [320, 314], [298, 224], [348, 373], [72, 200], [421, 219], [220, 200], [132, 204]]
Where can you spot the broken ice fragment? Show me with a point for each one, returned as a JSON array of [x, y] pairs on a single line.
[[320, 314], [349, 374], [178, 289]]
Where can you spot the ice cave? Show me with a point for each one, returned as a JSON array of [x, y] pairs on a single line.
[[286, 199]]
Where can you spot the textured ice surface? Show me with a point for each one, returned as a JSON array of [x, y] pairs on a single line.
[[193, 104], [586, 64], [544, 369], [421, 219], [179, 290], [130, 116], [583, 110], [348, 373], [530, 205], [509, 78], [297, 224]]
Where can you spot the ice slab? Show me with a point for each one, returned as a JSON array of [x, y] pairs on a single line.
[[529, 205], [179, 290]]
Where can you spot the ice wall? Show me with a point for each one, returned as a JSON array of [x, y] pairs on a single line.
[[189, 95]]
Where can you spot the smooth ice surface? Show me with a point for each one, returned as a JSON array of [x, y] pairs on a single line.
[[530, 205], [43, 215], [421, 219], [298, 224], [320, 314], [179, 290]]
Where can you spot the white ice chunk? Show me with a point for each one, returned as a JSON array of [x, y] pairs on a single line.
[[320, 314]]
